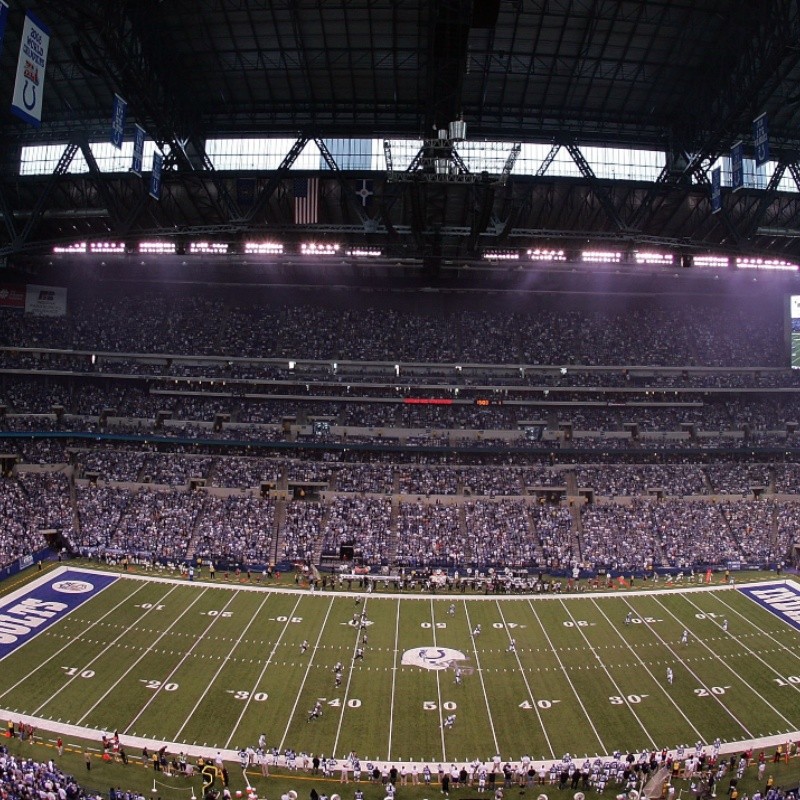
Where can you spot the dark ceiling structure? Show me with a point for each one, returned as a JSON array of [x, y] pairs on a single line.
[[686, 77]]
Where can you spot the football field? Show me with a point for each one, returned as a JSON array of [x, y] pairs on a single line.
[[218, 665]]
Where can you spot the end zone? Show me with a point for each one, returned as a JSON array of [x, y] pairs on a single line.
[[781, 598], [36, 606]]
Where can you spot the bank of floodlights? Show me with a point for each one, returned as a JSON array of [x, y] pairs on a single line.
[[364, 252], [208, 248], [601, 256], [712, 262], [263, 248], [500, 255], [157, 248], [544, 254], [318, 249], [75, 247], [653, 259], [777, 264]]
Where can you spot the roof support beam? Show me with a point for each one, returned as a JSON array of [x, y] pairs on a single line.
[[597, 187], [274, 180]]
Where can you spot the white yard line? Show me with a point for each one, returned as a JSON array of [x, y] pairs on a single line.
[[691, 671], [349, 680], [605, 669], [147, 650], [793, 653], [745, 647], [186, 655], [569, 680], [220, 668], [480, 675], [438, 685], [527, 685], [261, 674], [305, 677], [73, 640], [733, 672], [103, 652], [657, 682], [394, 677]]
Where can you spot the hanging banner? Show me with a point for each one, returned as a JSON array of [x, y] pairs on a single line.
[[737, 167], [31, 65], [3, 21], [118, 121], [761, 139], [155, 178], [716, 190], [138, 150]]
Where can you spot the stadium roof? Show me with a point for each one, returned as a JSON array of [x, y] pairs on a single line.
[[683, 79]]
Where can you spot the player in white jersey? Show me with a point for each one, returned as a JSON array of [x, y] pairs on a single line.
[[458, 676], [685, 637], [452, 610], [304, 646], [450, 721], [477, 631], [669, 675], [725, 624], [512, 646]]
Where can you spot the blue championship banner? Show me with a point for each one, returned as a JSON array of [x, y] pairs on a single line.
[[37, 606], [118, 122], [31, 66], [3, 22], [782, 599], [716, 190], [737, 166], [138, 150], [761, 139], [155, 178]]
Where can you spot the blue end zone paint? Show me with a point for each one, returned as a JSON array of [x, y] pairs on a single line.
[[35, 608], [781, 599]]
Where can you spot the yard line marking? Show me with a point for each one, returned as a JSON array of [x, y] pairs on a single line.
[[394, 678], [186, 655], [603, 748], [480, 675], [608, 675], [655, 680], [438, 685], [730, 669], [524, 678], [101, 653], [349, 679], [146, 651], [261, 674], [308, 669], [773, 635], [690, 670], [75, 639], [220, 668]]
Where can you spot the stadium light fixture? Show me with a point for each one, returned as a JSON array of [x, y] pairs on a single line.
[[106, 248], [263, 248], [601, 256], [500, 255], [543, 254], [76, 247], [364, 252], [777, 264], [318, 249], [158, 248], [208, 248], [654, 259], [719, 262]]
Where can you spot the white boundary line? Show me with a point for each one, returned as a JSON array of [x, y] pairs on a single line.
[[195, 751], [438, 685]]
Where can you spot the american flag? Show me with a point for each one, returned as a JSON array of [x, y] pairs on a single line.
[[306, 196]]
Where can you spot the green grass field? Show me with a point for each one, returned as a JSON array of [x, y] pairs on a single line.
[[189, 663]]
